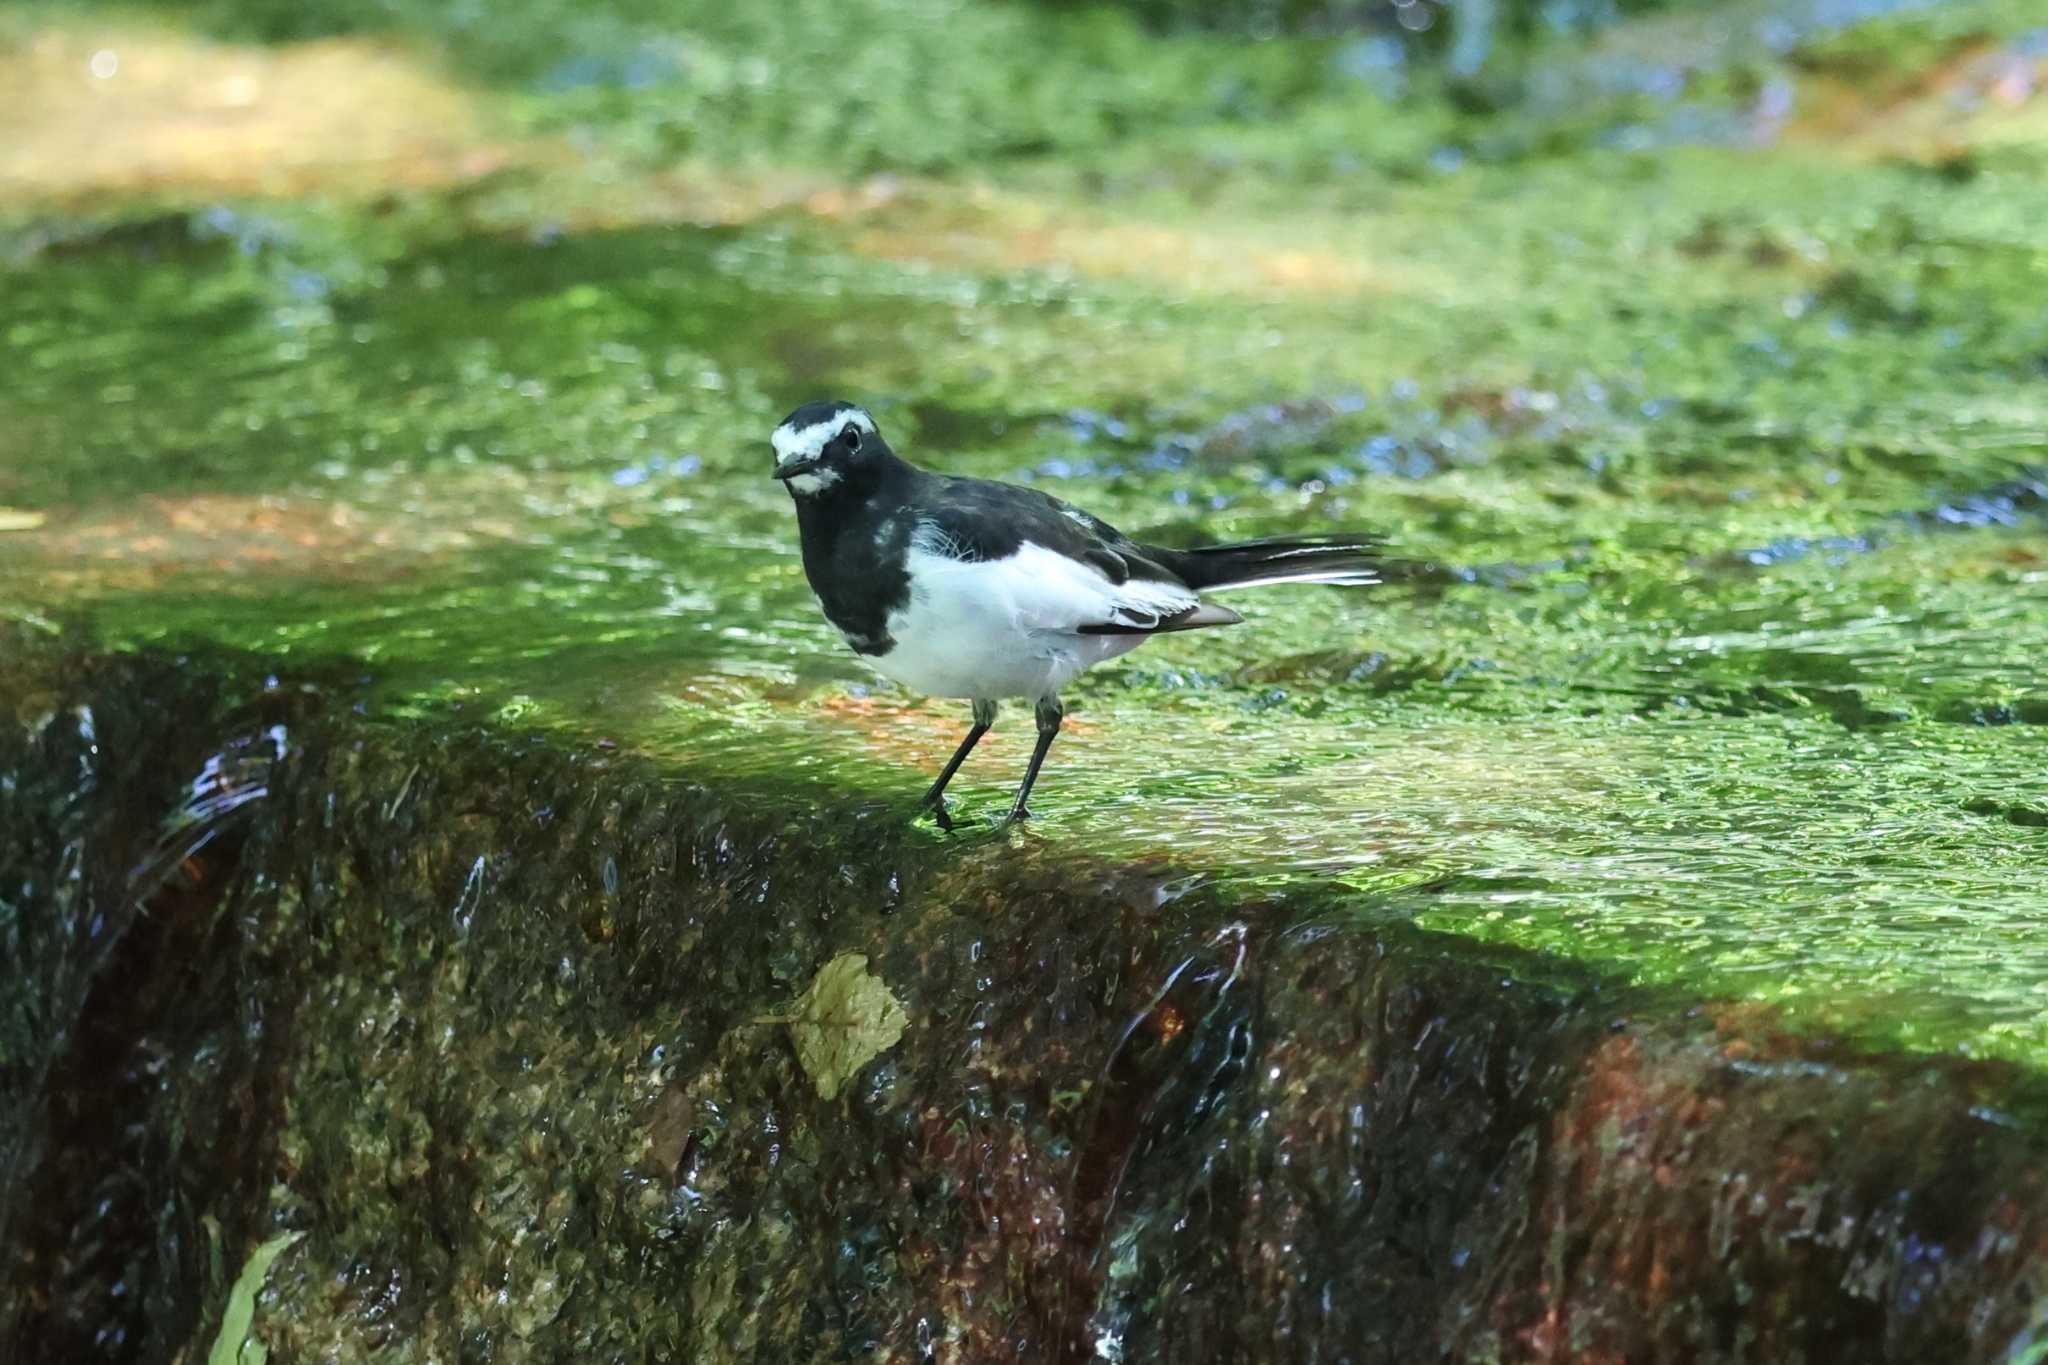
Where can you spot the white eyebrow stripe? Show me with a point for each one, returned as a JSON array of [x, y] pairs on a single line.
[[806, 442]]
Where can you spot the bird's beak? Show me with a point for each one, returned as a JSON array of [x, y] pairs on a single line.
[[802, 464]]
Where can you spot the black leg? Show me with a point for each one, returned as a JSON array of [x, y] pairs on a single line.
[[1050, 714], [984, 717]]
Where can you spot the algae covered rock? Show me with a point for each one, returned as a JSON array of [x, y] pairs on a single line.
[[524, 1108]]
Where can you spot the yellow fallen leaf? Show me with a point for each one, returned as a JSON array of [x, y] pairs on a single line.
[[15, 519], [844, 1021]]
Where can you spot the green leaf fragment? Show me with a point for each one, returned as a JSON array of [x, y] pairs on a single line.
[[228, 1347], [844, 1021]]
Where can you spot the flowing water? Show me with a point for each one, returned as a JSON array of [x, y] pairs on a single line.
[[1717, 468], [1721, 667]]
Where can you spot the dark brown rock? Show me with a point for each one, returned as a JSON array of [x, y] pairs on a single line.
[[492, 1023]]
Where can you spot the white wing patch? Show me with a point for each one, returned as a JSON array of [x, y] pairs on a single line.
[[1138, 602], [1042, 590], [1015, 627], [792, 442]]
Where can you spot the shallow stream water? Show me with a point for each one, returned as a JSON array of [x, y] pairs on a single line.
[[1696, 376], [1721, 668]]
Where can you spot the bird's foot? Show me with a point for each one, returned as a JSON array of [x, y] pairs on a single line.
[[935, 806]]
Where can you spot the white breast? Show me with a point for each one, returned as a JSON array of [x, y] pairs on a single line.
[[992, 628]]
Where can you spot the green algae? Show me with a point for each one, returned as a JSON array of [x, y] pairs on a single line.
[[1364, 935], [514, 1088], [1724, 467], [907, 84]]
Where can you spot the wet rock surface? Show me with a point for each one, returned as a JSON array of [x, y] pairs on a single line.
[[498, 1025], [457, 899]]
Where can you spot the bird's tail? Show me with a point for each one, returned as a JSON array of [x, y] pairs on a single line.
[[1349, 560]]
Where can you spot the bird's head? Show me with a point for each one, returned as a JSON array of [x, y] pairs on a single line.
[[826, 444]]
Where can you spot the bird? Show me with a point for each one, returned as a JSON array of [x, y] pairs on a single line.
[[979, 590]]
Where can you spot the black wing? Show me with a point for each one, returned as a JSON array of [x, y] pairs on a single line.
[[979, 519], [983, 519]]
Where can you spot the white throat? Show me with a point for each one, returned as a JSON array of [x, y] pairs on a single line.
[[813, 483]]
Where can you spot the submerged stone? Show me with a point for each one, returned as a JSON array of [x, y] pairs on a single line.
[[480, 1017]]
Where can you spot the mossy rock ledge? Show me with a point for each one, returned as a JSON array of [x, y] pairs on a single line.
[[502, 1028]]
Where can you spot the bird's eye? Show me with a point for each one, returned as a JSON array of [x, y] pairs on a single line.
[[852, 438]]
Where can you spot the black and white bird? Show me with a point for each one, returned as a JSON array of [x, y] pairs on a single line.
[[969, 588]]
